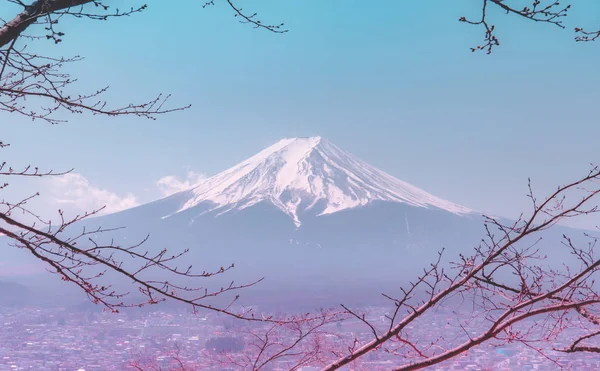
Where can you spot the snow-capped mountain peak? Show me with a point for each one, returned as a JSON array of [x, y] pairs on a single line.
[[301, 174]]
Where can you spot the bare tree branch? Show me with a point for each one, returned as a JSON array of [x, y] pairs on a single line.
[[541, 11], [541, 291]]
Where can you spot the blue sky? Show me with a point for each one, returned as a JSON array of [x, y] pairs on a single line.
[[393, 82]]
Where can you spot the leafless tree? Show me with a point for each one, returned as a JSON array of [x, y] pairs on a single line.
[[551, 12], [515, 296], [40, 87], [306, 339], [30, 81]]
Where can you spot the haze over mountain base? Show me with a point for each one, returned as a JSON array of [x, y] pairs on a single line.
[[317, 223]]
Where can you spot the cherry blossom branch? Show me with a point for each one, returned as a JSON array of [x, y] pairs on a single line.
[[541, 11], [540, 291]]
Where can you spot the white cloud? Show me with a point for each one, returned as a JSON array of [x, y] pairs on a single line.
[[73, 192], [171, 184]]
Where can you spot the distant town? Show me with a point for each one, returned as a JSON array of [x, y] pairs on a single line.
[[36, 338]]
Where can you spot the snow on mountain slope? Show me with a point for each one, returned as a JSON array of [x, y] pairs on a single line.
[[300, 174]]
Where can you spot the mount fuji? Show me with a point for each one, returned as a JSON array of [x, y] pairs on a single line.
[[309, 217], [305, 175], [304, 213]]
